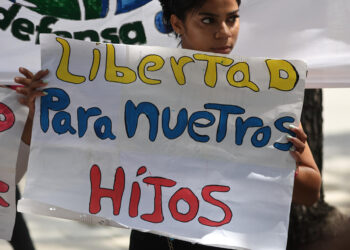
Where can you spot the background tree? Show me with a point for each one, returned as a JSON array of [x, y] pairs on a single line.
[[309, 225]]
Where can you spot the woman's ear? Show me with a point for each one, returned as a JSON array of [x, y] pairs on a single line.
[[177, 24]]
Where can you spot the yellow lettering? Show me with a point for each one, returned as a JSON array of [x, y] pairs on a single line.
[[283, 75], [211, 71], [111, 74], [157, 62], [178, 68], [95, 64], [245, 81], [62, 70]]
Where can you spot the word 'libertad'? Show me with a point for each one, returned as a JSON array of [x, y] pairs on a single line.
[[283, 75]]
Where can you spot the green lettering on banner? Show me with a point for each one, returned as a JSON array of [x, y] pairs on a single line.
[[44, 26], [91, 34], [111, 34], [9, 15], [137, 27], [64, 34], [22, 28], [63, 8]]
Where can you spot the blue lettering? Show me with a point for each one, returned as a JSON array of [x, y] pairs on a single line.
[[192, 122], [56, 99], [181, 124], [61, 123], [242, 127], [83, 116], [266, 135], [132, 114], [106, 123], [225, 110], [279, 125]]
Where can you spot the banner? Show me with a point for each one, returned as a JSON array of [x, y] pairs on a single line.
[[126, 22], [11, 127], [319, 35], [181, 143]]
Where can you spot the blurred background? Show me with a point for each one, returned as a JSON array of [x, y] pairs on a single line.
[[58, 234]]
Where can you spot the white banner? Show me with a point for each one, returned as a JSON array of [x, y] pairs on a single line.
[[11, 125], [315, 31], [181, 143]]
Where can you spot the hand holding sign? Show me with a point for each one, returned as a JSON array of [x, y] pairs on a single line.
[[31, 84], [29, 91]]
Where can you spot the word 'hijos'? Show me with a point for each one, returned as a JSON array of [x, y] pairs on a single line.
[[185, 194]]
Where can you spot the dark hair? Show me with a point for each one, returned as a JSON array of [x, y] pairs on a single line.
[[180, 8]]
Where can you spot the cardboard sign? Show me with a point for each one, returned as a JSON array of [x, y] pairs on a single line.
[[177, 142], [11, 125]]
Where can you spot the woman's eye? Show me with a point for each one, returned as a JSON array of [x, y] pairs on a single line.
[[207, 20], [233, 18]]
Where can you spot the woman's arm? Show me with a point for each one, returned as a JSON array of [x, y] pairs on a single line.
[[307, 182], [29, 91]]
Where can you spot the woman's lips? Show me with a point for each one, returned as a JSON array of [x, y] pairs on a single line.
[[222, 50]]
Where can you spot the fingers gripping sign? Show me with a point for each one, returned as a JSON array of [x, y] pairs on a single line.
[[299, 143], [31, 85]]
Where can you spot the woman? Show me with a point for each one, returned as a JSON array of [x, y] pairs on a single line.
[[210, 26]]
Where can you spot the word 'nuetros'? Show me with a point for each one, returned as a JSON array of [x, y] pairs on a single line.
[[183, 193], [283, 75], [58, 100]]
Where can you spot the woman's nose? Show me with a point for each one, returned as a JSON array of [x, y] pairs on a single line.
[[223, 31]]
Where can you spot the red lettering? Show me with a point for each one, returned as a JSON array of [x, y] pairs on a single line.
[[206, 194], [4, 188], [141, 171], [97, 192], [134, 200], [190, 198], [7, 117], [158, 182]]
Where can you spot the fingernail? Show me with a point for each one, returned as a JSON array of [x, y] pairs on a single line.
[[292, 126], [45, 93], [292, 148], [45, 81], [289, 136], [16, 78]]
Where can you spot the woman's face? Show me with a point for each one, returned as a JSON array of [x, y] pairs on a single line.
[[212, 28]]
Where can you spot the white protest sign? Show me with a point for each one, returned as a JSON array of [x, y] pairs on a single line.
[[177, 142], [11, 125]]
